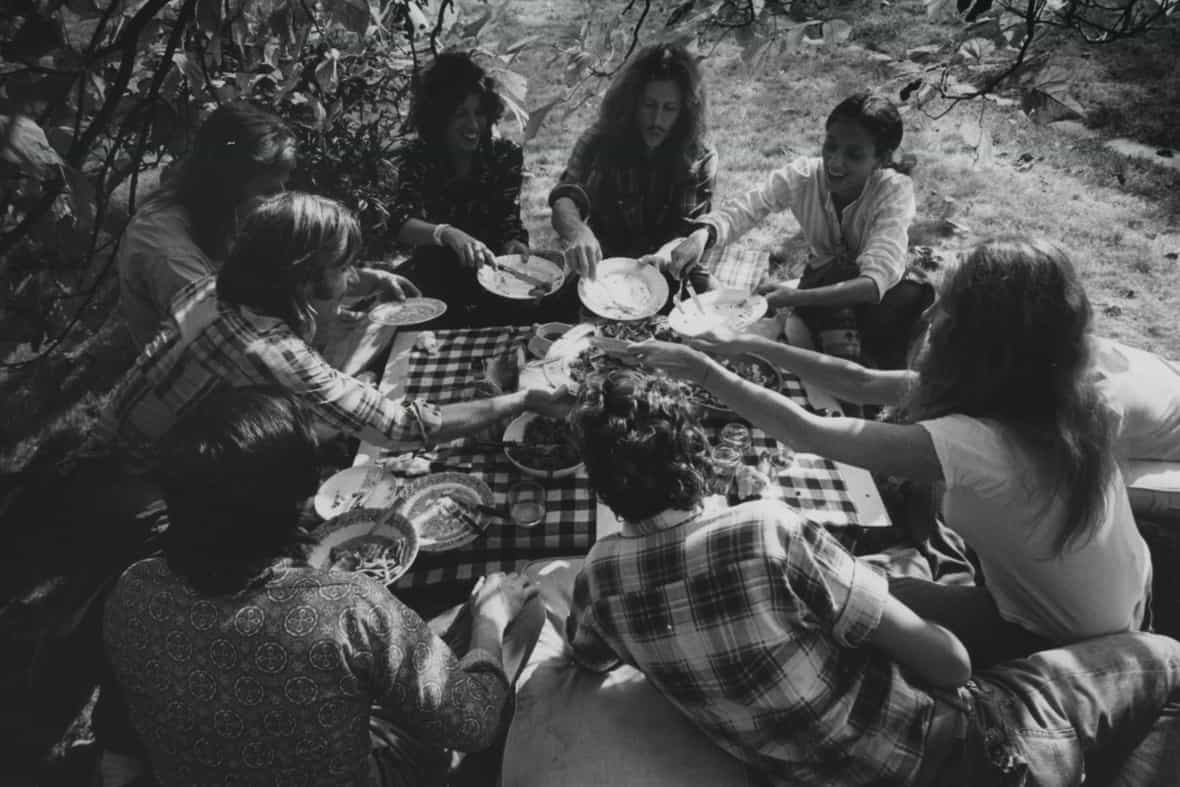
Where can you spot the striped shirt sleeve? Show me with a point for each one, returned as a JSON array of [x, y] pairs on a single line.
[[882, 256]]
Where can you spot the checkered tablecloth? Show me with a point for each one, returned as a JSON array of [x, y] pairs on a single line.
[[737, 267], [568, 528], [810, 484]]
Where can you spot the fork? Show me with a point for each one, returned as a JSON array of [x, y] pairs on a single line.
[[687, 291]]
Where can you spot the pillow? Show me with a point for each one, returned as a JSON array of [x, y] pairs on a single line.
[[1154, 488], [579, 729]]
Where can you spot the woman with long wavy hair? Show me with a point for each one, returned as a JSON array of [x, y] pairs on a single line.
[[1004, 413], [639, 177], [241, 153]]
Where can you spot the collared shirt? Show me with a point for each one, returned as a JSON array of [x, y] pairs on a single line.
[[210, 344], [634, 202], [751, 621], [485, 204], [274, 684], [157, 257], [873, 230]]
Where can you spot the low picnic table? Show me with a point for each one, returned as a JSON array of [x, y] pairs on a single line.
[[829, 492]]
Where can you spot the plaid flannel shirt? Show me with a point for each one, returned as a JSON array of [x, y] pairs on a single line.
[[749, 620], [633, 202], [209, 344], [484, 204]]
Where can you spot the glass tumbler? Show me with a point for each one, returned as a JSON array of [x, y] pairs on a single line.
[[737, 435], [526, 504], [725, 463]]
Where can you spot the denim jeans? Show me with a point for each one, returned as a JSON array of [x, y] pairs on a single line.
[[1106, 710]]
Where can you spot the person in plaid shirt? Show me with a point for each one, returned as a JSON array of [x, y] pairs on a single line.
[[644, 171], [792, 656], [251, 325]]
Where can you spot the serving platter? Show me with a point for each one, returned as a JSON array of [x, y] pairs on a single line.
[[438, 530]]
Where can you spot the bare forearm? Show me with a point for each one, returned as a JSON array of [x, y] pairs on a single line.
[[487, 634], [844, 379], [464, 418], [567, 219], [416, 232], [846, 293]]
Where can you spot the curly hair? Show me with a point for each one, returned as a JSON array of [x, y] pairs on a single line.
[[234, 471], [289, 240], [236, 143], [617, 116], [879, 117], [1009, 341], [445, 84], [643, 448]]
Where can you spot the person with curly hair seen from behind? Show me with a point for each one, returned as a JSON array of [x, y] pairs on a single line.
[[458, 190], [639, 177], [1004, 412], [791, 654], [236, 660]]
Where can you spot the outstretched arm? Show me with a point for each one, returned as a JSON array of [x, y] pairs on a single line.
[[844, 379], [886, 449]]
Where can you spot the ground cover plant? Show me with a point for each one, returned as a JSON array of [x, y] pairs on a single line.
[[986, 165]]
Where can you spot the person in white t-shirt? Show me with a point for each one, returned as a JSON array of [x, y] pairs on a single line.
[[854, 204], [1004, 411]]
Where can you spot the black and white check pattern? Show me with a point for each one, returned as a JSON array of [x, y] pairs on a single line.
[[811, 484]]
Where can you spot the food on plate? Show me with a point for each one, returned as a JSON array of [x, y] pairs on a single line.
[[547, 445], [751, 368], [378, 557], [640, 330]]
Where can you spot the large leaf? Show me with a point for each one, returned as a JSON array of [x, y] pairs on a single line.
[[537, 118], [23, 143], [353, 15]]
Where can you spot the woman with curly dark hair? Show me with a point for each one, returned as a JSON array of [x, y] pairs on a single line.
[[639, 177], [458, 193]]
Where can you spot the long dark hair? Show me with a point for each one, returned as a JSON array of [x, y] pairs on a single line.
[[643, 448], [620, 106], [234, 470], [444, 85], [1009, 341], [290, 240], [879, 117], [235, 144]]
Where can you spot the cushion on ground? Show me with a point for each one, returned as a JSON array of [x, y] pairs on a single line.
[[578, 729], [1154, 488]]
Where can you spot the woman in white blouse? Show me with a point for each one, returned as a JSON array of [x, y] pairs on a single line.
[[855, 206]]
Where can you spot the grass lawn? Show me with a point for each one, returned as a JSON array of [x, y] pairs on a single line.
[[987, 166]]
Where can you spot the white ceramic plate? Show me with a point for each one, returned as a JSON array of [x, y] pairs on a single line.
[[366, 486], [515, 434], [361, 525], [734, 309], [624, 289], [508, 286], [436, 531], [412, 311]]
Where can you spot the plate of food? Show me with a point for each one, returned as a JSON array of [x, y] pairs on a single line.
[[735, 309], [519, 279], [365, 486], [445, 509], [543, 447], [375, 542], [624, 289], [754, 368], [411, 311]]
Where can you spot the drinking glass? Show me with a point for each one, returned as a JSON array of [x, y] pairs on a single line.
[[526, 503], [736, 435], [725, 462]]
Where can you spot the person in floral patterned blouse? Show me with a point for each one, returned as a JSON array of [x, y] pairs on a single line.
[[238, 663], [458, 194]]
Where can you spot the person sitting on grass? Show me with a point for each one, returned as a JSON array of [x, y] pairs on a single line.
[[1002, 411], [235, 660], [792, 655], [251, 326], [854, 204], [645, 170], [458, 191], [183, 232]]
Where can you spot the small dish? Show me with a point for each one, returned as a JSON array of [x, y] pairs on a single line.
[[374, 536], [544, 336], [365, 486]]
